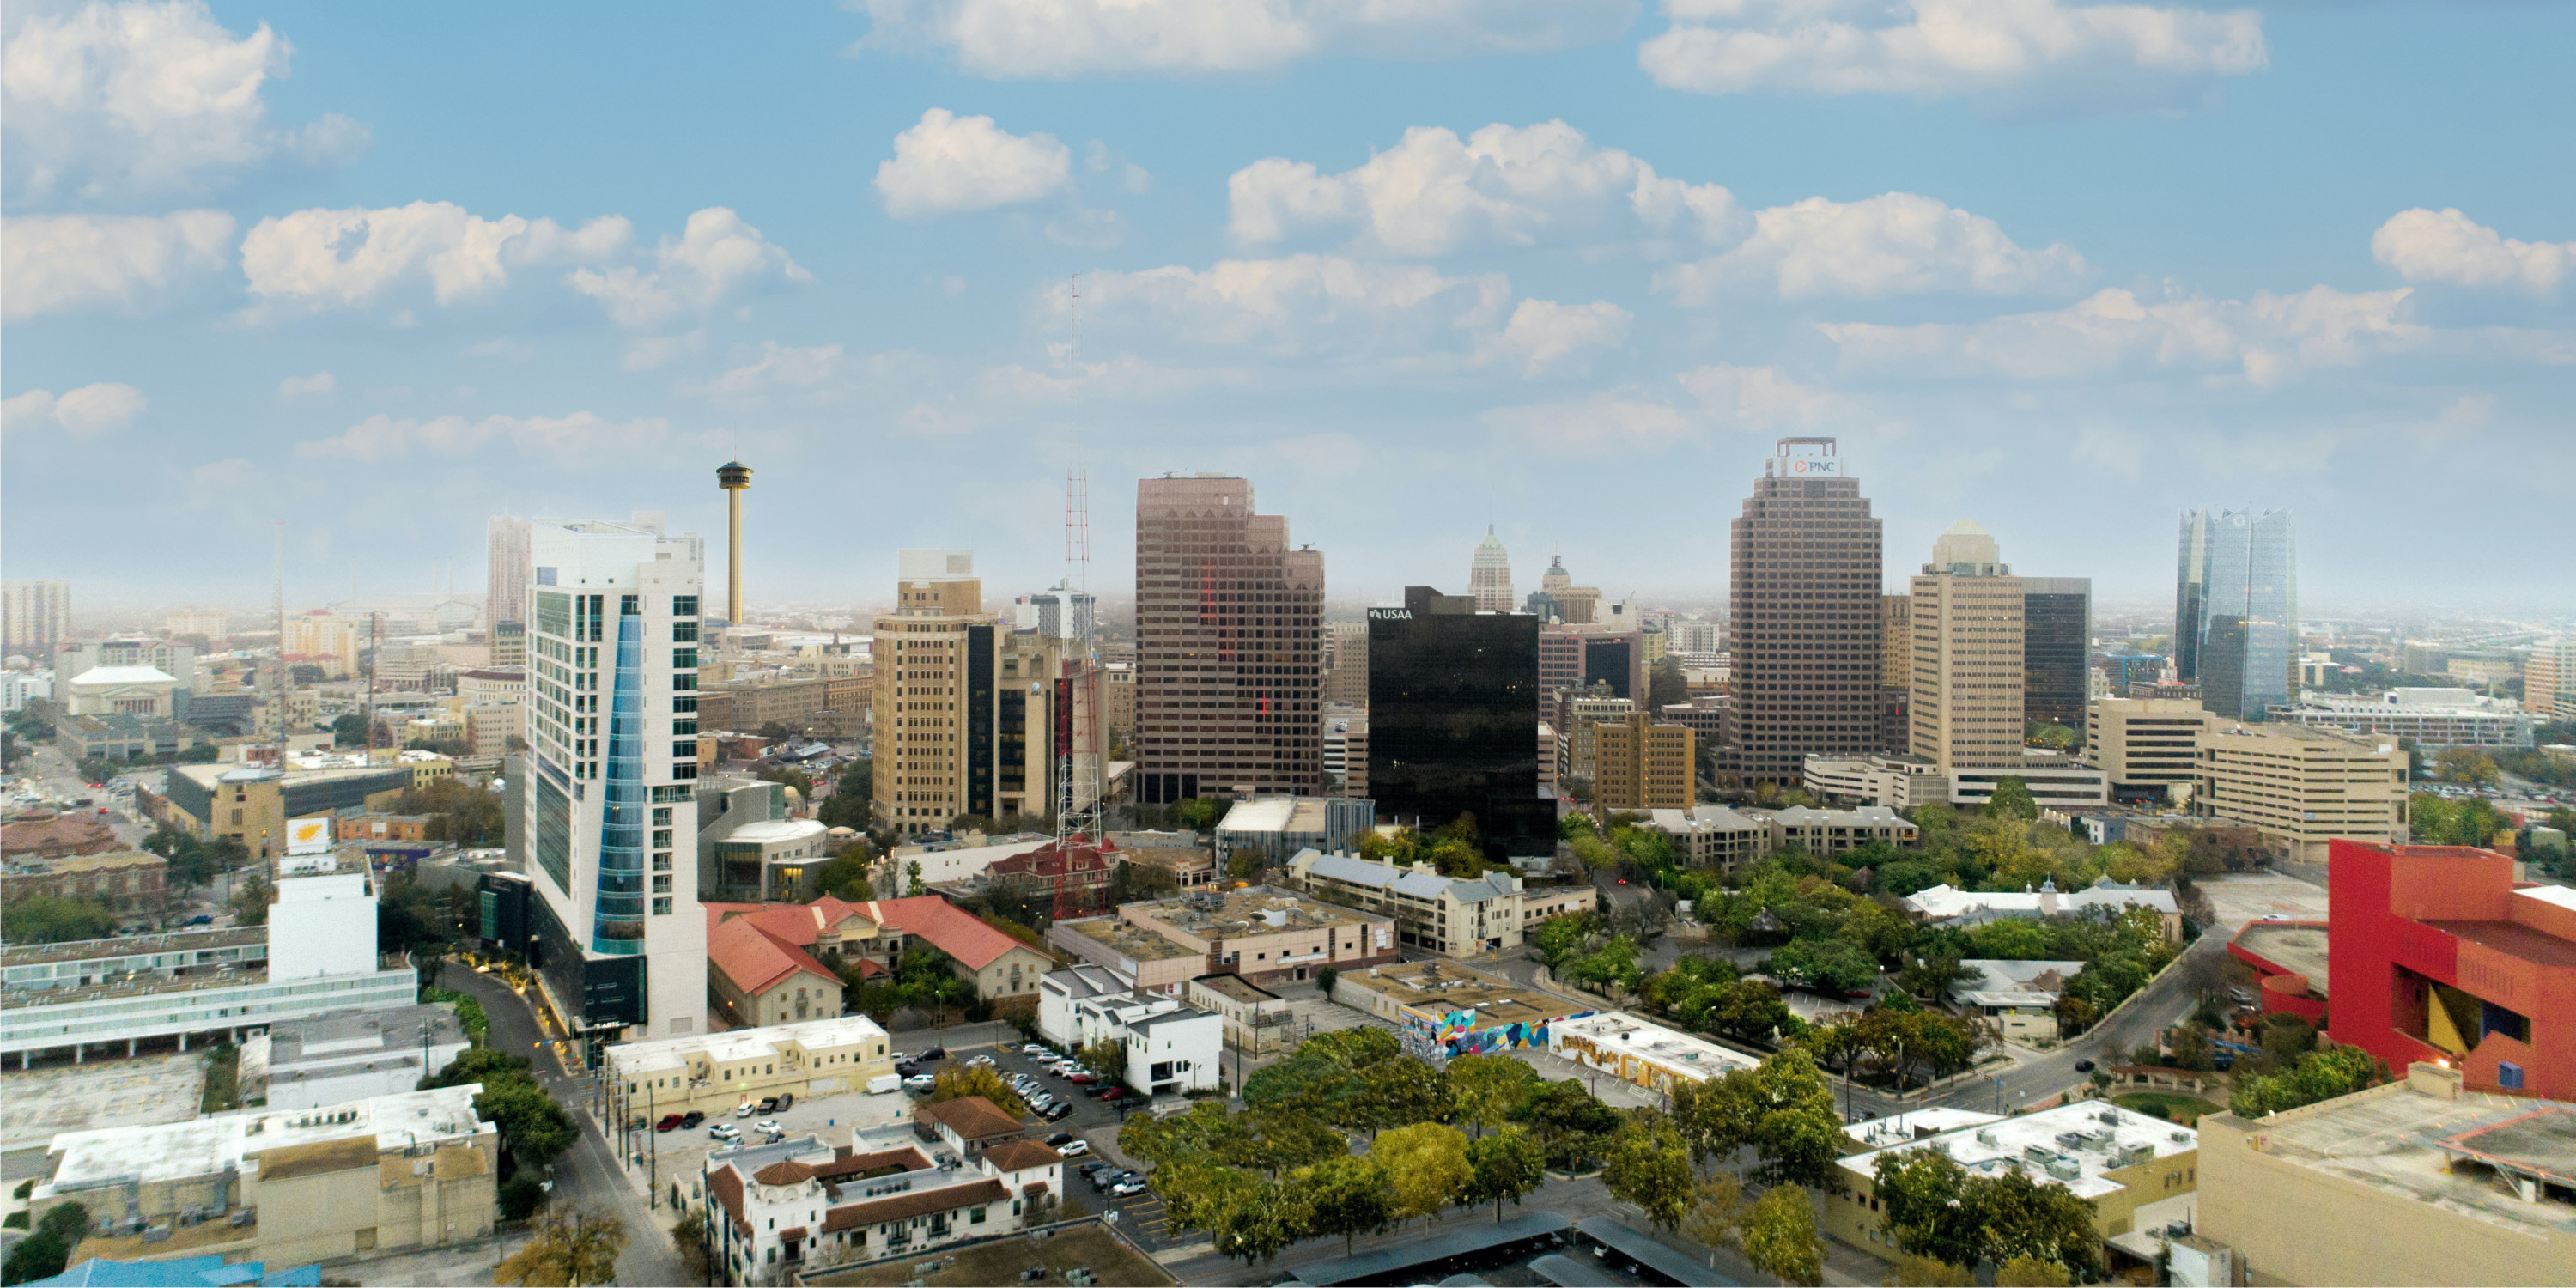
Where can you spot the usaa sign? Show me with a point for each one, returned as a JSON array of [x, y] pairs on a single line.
[[1390, 614]]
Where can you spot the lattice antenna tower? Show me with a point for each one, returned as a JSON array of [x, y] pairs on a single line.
[[1077, 768]]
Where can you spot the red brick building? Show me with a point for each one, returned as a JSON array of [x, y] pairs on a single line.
[[2437, 954], [383, 827], [124, 882], [58, 836], [1078, 873]]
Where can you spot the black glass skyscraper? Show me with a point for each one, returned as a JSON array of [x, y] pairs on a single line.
[[1453, 720], [2056, 647]]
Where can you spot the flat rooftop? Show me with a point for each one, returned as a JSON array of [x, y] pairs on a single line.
[[344, 1035], [179, 1151], [1246, 914], [746, 1044], [1082, 1245], [2405, 1141], [188, 942], [1445, 987], [1129, 940], [1236, 988], [1680, 1052], [2070, 1144], [2300, 950]]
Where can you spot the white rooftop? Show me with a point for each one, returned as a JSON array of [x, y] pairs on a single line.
[[745, 1044], [1675, 1051], [123, 675], [2006, 973], [776, 831], [1943, 902], [1899, 1129], [1259, 814], [2070, 1144], [179, 1151]]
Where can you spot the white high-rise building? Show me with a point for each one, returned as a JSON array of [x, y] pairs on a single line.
[[1490, 580], [505, 590], [612, 729]]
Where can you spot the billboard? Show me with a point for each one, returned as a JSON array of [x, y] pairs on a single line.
[[309, 835]]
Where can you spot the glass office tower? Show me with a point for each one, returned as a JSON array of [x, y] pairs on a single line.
[[1453, 720], [2245, 641], [2056, 645]]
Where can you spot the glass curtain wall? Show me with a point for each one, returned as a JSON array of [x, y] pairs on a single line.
[[618, 924]]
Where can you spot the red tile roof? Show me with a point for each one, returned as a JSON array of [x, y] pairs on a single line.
[[1021, 1155], [941, 924], [904, 1207], [972, 1117], [726, 1185], [756, 960]]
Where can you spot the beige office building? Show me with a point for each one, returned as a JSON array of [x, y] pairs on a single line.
[[1967, 654], [1642, 765], [2413, 1182], [2302, 787], [1578, 722], [924, 662], [2549, 680], [1896, 642], [2146, 745]]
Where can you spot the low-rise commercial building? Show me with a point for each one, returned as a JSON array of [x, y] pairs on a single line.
[[1257, 1021], [2302, 787], [252, 803], [2414, 1182], [879, 930], [1277, 827], [348, 1055], [2431, 717], [2054, 782], [797, 1206], [1173, 1047], [1142, 957], [126, 883], [1890, 780], [1643, 1053], [714, 1072], [1829, 832], [57, 836], [766, 862], [411, 1170], [1943, 906], [1266, 935], [756, 976], [1444, 1010], [2118, 1159], [1456, 918], [1640, 763]]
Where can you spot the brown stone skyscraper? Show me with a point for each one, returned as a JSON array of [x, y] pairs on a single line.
[[1806, 621], [1229, 659]]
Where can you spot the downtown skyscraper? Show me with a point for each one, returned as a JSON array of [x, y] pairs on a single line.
[[608, 795], [1229, 658], [2236, 609], [1805, 590]]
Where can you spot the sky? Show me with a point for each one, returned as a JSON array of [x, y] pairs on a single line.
[[1565, 267]]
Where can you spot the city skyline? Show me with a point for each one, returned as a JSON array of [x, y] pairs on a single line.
[[2079, 280]]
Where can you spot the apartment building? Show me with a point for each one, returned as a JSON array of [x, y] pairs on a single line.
[[1579, 714], [1453, 917], [934, 660], [1641, 764], [776, 1212], [2303, 787], [1968, 650], [1712, 836]]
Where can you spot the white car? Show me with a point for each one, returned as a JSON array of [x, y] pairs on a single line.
[[1036, 1050], [1074, 1149], [921, 1082], [766, 1124], [745, 1110], [725, 1131]]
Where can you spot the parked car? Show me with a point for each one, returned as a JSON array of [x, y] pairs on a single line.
[[1060, 1138], [1127, 1189], [906, 1070], [1034, 1049], [787, 1100], [769, 1104], [201, 919], [1074, 1150], [2084, 1066], [900, 1057], [765, 1124], [725, 1132], [981, 1061], [921, 1082], [1091, 1169], [692, 1119], [670, 1122], [745, 1110], [934, 1053], [1082, 1077], [1057, 1112]]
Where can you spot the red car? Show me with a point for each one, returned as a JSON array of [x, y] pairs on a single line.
[[670, 1122], [1082, 1077]]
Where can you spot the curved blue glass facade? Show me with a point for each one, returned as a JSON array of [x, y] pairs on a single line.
[[617, 924]]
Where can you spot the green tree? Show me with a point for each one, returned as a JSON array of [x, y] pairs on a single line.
[[522, 1194], [1394, 1093], [1489, 1090], [2317, 1075], [1347, 1196], [2030, 1272], [1197, 813], [43, 1253], [46, 919], [1914, 1270], [977, 1080], [1426, 1168], [1716, 1216], [251, 899], [1781, 1108], [1571, 1124], [349, 730], [566, 1250], [1918, 1192], [913, 886], [1666, 685], [1560, 937], [1780, 1237], [2467, 766], [1506, 1165], [1826, 963], [1106, 1057], [1325, 979], [2012, 800], [534, 1127], [848, 806], [1649, 1165]]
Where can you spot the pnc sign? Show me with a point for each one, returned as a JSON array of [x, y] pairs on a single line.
[[1812, 467]]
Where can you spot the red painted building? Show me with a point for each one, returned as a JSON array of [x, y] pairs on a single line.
[[2438, 955], [1076, 871]]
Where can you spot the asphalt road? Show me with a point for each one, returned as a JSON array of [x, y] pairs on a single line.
[[586, 1176]]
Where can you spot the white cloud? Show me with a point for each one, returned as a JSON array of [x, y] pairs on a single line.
[[1894, 244], [949, 165], [347, 258], [715, 257], [648, 352], [62, 263], [384, 438], [88, 410], [1059, 38], [1434, 193], [1544, 336], [1301, 305], [1634, 418], [133, 99], [2267, 339], [1940, 48], [2448, 247], [318, 387]]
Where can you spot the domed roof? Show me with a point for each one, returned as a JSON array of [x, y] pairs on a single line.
[[1491, 542]]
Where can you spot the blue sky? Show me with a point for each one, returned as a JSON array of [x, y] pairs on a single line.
[[1412, 266]]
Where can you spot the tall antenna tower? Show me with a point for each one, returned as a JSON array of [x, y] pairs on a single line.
[[1078, 734], [277, 603]]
